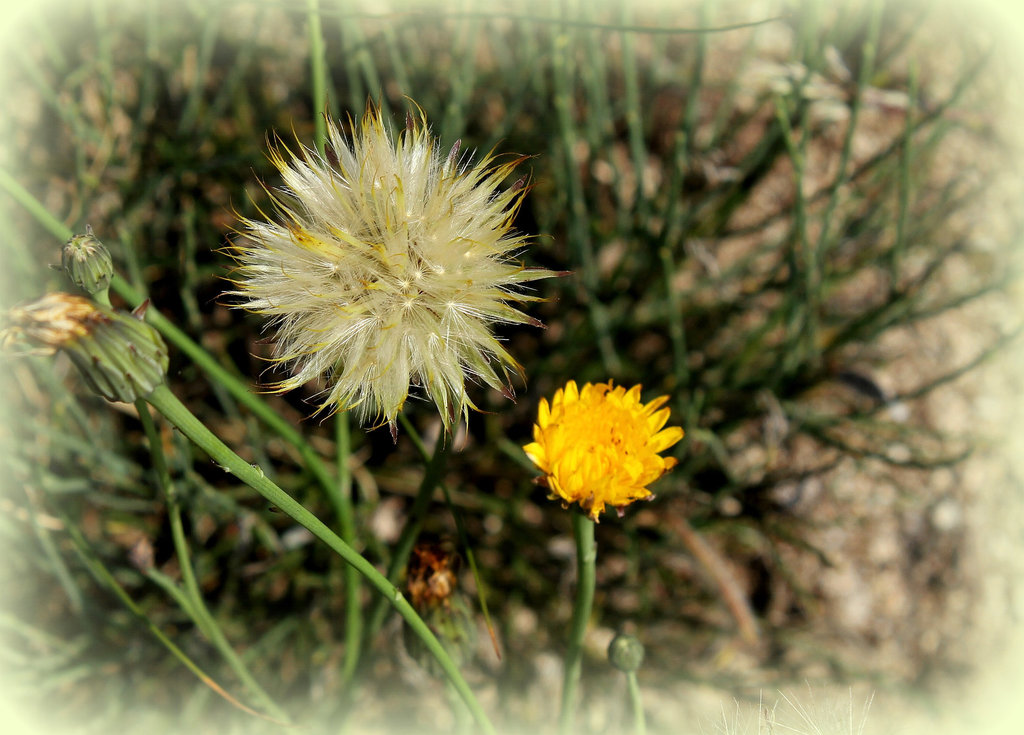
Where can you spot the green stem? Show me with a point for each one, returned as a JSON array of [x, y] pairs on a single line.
[[318, 73], [34, 207], [342, 497], [895, 256], [217, 372], [586, 555], [174, 411], [240, 392], [413, 524], [156, 452], [196, 606], [639, 723]]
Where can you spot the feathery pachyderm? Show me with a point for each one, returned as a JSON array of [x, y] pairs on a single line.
[[389, 267]]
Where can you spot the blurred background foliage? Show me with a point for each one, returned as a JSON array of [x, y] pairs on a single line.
[[800, 229]]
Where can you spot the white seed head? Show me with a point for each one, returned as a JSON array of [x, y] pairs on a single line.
[[388, 266]]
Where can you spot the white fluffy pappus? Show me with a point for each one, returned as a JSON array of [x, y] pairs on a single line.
[[389, 266]]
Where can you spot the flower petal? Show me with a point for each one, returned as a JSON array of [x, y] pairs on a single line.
[[665, 439], [654, 405], [657, 420], [535, 451], [544, 414]]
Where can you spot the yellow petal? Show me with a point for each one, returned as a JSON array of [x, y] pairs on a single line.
[[657, 420], [544, 414], [558, 398], [538, 434], [655, 404], [537, 455], [665, 439]]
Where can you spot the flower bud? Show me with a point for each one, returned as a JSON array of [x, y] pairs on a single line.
[[87, 262], [626, 653], [121, 357]]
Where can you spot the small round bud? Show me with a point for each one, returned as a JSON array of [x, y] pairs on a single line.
[[625, 653], [120, 356], [87, 262]]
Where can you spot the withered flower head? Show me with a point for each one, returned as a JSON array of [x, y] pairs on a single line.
[[431, 582], [121, 357], [430, 575]]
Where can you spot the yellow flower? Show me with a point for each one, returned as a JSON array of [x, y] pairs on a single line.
[[389, 266], [600, 445]]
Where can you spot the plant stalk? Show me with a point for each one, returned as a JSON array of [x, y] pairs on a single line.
[[639, 723], [196, 605], [318, 74], [342, 498], [164, 401], [586, 555]]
